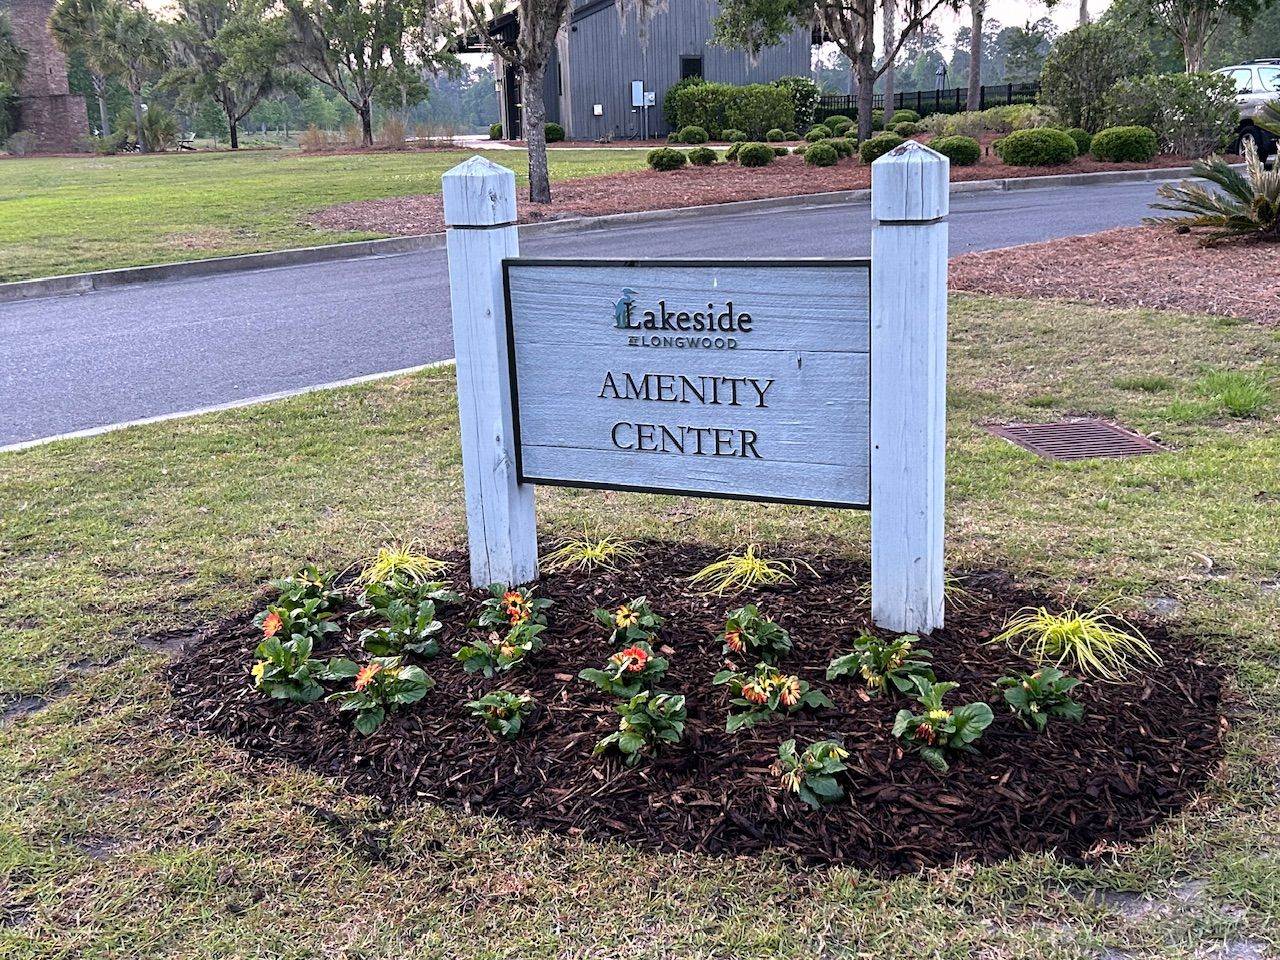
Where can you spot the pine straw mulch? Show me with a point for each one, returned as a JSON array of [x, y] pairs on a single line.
[[638, 190], [1152, 267], [1143, 751]]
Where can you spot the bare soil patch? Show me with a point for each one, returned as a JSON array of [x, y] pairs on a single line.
[[1142, 751], [692, 186], [1152, 267]]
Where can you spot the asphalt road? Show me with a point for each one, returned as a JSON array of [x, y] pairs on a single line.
[[128, 353]]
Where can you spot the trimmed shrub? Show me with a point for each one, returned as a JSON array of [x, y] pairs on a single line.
[[732, 153], [877, 119], [1043, 147], [840, 128], [791, 135], [775, 136], [799, 150], [554, 132], [702, 156], [1084, 64], [698, 105], [1192, 114], [820, 132], [821, 155], [1124, 144], [664, 159], [875, 148], [755, 155], [904, 116], [671, 100], [961, 151], [843, 146], [780, 151], [495, 131], [835, 118], [804, 95], [1082, 139], [758, 107], [907, 128], [692, 134], [673, 137], [997, 147], [733, 136]]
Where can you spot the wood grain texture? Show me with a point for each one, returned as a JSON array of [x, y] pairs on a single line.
[[910, 182]]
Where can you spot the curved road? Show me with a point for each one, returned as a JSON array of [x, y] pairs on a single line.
[[155, 349]]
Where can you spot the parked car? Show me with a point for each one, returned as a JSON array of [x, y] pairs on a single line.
[[1257, 84]]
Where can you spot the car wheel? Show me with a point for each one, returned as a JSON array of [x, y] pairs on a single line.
[[1262, 141]]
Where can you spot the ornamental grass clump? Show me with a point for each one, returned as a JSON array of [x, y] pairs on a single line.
[[747, 632], [1095, 642], [586, 554], [648, 721], [503, 713], [736, 572], [764, 693], [884, 665], [1245, 207], [1036, 697], [938, 733], [632, 622], [813, 774], [405, 562], [629, 671], [383, 684]]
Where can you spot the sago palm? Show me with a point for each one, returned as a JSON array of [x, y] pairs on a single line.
[[13, 59], [1245, 205]]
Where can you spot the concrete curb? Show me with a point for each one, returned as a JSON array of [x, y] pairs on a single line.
[[79, 283]]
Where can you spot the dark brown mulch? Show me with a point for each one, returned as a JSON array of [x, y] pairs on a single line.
[[1134, 267], [692, 186], [1142, 752]]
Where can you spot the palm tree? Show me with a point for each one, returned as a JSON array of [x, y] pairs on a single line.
[[137, 47], [76, 26], [13, 59], [1245, 205]]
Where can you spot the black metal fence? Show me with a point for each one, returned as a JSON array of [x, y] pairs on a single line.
[[925, 102]]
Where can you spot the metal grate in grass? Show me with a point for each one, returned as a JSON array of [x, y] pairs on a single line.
[[1076, 439]]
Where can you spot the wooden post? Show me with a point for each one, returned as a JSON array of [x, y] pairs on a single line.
[[480, 216], [910, 191]]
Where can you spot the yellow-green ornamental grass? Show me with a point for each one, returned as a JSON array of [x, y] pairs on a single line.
[[585, 554], [1096, 642], [736, 572]]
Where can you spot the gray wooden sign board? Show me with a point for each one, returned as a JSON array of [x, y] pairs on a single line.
[[738, 379]]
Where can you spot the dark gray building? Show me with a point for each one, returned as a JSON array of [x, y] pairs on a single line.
[[602, 53]]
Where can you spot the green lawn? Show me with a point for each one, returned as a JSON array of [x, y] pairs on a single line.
[[121, 838], [72, 214]]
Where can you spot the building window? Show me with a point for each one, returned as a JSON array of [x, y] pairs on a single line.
[[690, 67]]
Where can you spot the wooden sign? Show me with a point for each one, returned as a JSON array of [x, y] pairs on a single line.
[[737, 379]]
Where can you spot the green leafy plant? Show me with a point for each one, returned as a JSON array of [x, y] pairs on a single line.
[[290, 619], [495, 131], [702, 156], [841, 145], [755, 155], [402, 563], [381, 685], [757, 108], [904, 116], [1124, 144], [961, 151], [310, 583], [804, 95], [884, 664], [877, 146], [553, 132], [285, 671], [665, 159], [648, 720], [1084, 64], [775, 135], [939, 732], [819, 132], [628, 671], [1082, 138], [730, 135], [1246, 205], [735, 572], [764, 693], [1191, 114], [503, 713], [813, 774], [1239, 393], [512, 607], [1040, 147], [586, 553], [747, 632], [1035, 697], [693, 135], [410, 628], [822, 155], [376, 597], [500, 654], [1095, 642], [907, 128], [632, 622]]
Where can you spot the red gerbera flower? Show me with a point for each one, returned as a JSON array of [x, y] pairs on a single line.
[[733, 640], [365, 675], [271, 626]]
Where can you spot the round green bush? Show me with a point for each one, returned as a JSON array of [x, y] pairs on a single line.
[[791, 135], [839, 129], [673, 137], [775, 136], [755, 155], [730, 135], [495, 131], [1038, 147], [997, 147], [907, 128], [961, 151], [1083, 139], [875, 148], [732, 153], [820, 132], [554, 132], [904, 116], [702, 156], [780, 151], [1124, 144], [822, 155], [835, 118], [877, 119], [843, 146], [692, 134], [799, 151], [664, 158]]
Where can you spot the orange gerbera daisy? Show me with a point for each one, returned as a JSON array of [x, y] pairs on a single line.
[[365, 675], [631, 659], [733, 640], [626, 617], [753, 692], [790, 695], [519, 617], [271, 626], [926, 733]]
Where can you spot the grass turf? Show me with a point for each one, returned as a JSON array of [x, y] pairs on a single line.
[[104, 809], [73, 214]]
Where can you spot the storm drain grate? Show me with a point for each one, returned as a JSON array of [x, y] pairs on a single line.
[[1076, 439]]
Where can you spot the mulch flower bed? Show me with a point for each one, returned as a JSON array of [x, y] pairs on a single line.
[[1153, 267], [1141, 753], [691, 186]]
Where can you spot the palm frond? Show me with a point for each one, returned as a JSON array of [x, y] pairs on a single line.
[[1246, 203]]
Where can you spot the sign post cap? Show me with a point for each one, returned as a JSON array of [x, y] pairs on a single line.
[[910, 183]]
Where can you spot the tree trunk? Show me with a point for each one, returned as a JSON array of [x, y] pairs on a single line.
[[890, 8], [100, 91], [234, 132], [866, 72], [1084, 12], [137, 123], [978, 11], [535, 133], [366, 124]]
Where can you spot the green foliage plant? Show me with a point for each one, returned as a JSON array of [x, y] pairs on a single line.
[[1191, 114], [310, 583], [758, 108], [1082, 138], [764, 693], [1082, 67], [702, 156], [733, 136], [1039, 147], [907, 128], [631, 622], [961, 151], [554, 132], [905, 116], [383, 684], [747, 633], [1245, 206], [503, 713], [1124, 144], [819, 132], [647, 721], [665, 159], [804, 94], [822, 155], [1036, 697], [692, 135], [736, 572], [587, 553], [876, 147], [813, 774], [775, 135], [755, 155], [284, 669], [401, 562], [410, 628], [628, 671], [495, 131], [1095, 642], [512, 606], [497, 653], [939, 733], [884, 665]]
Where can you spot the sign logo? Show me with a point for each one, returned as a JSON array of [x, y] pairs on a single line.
[[665, 326]]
